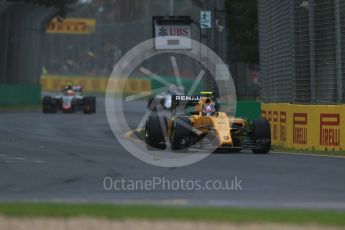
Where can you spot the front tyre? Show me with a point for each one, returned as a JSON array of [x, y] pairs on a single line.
[[261, 136], [93, 104], [89, 105], [154, 132]]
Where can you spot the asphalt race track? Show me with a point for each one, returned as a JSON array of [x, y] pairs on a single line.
[[65, 157]]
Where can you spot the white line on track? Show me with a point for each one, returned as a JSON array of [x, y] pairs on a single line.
[[23, 161], [311, 155], [13, 158]]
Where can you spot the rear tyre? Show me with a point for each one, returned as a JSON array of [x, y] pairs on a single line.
[[154, 132], [48, 105], [181, 131], [261, 136]]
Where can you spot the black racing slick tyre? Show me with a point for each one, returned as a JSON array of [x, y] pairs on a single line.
[[93, 104], [89, 105], [181, 132], [261, 136], [154, 132], [48, 105]]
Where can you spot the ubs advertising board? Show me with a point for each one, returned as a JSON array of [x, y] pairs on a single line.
[[172, 32], [314, 127]]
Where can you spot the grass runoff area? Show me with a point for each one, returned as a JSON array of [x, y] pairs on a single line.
[[152, 212]]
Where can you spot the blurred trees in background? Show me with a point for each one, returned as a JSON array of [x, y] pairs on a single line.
[[243, 30], [61, 5]]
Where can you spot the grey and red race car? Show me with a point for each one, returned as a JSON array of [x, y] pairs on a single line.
[[70, 99]]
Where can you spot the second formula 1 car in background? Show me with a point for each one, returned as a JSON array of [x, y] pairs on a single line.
[[70, 99], [164, 99]]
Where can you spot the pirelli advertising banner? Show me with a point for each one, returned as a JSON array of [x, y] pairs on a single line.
[[72, 26], [319, 127]]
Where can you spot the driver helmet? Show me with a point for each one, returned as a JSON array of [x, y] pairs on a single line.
[[69, 92], [208, 108]]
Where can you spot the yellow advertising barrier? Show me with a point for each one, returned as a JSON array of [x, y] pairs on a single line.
[[314, 127], [95, 84], [72, 26]]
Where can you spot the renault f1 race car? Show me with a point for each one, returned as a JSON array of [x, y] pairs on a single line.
[[201, 119], [70, 99], [164, 99]]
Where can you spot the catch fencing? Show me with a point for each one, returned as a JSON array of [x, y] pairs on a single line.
[[22, 30], [302, 51]]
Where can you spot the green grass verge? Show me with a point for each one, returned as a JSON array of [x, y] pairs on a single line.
[[306, 151], [234, 215]]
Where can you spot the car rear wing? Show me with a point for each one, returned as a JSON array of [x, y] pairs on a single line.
[[183, 101]]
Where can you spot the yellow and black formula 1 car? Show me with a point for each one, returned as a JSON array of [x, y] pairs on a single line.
[[200, 120]]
